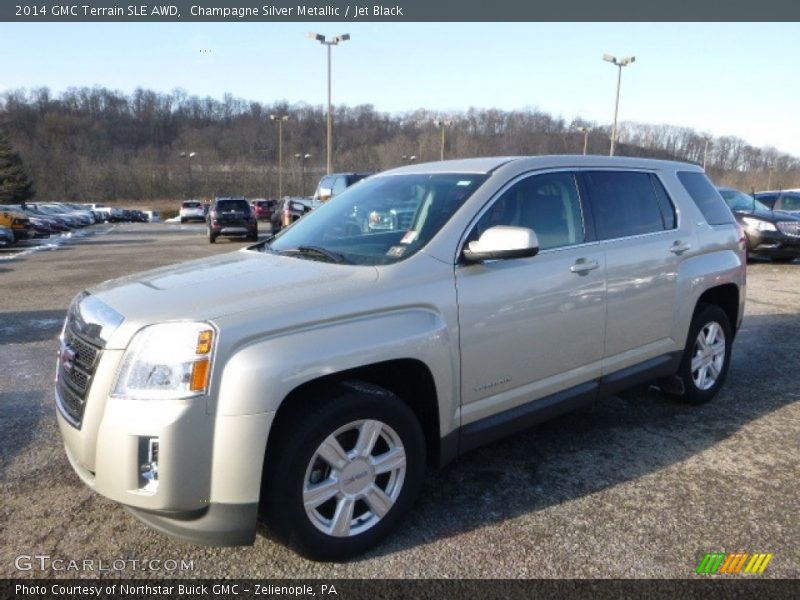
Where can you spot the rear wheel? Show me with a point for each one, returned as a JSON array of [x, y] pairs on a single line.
[[341, 477], [212, 238], [706, 357]]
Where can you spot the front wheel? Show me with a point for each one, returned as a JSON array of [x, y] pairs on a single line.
[[707, 355], [342, 474]]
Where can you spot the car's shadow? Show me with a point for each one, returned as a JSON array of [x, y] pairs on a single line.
[[619, 439]]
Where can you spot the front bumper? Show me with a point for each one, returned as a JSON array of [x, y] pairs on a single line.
[[209, 469], [772, 244], [216, 525]]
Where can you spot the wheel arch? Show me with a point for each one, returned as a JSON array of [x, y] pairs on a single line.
[[725, 296], [409, 379]]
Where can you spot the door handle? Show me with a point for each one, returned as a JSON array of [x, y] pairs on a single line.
[[680, 247], [583, 265]]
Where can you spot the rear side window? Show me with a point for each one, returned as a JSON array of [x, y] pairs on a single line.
[[706, 197], [628, 203]]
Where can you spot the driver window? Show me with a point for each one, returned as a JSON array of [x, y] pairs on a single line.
[[549, 204]]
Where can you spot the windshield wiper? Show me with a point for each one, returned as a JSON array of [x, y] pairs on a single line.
[[317, 251]]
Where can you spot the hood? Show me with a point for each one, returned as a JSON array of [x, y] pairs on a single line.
[[211, 288]]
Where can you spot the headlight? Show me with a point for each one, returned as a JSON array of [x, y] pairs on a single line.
[[167, 361], [758, 224]]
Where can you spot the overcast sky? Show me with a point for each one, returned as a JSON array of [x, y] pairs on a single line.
[[726, 79]]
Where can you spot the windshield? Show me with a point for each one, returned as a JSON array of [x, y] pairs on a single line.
[[737, 200], [379, 221], [191, 205]]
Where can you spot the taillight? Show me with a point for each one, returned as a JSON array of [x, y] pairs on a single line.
[[742, 238]]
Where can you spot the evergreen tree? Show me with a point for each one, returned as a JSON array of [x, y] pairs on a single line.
[[15, 185]]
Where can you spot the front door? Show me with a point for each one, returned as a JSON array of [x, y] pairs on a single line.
[[530, 327]]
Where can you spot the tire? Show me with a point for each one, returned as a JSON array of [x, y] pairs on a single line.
[[211, 237], [333, 422], [702, 384], [183, 220]]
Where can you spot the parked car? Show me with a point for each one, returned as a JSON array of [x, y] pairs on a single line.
[[192, 210], [17, 222], [290, 209], [785, 200], [315, 376], [770, 233], [264, 209], [232, 217], [6, 236], [41, 223]]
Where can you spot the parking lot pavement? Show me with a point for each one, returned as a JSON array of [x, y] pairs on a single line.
[[635, 486]]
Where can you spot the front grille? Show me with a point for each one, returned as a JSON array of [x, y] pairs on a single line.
[[791, 228], [77, 362]]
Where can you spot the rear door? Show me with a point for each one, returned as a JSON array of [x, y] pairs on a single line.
[[644, 246]]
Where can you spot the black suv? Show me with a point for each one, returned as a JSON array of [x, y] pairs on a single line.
[[770, 233], [232, 217]]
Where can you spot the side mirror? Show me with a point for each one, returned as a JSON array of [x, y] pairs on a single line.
[[325, 194], [501, 242]]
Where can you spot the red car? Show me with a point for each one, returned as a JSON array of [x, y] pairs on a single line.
[[264, 208]]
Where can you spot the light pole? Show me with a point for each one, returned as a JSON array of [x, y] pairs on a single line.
[[332, 42], [189, 156], [303, 158], [707, 138], [618, 63], [441, 125], [770, 169], [280, 119], [585, 131]]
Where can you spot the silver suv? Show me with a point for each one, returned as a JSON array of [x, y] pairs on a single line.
[[313, 378]]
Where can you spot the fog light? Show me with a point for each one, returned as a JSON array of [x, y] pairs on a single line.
[[148, 465]]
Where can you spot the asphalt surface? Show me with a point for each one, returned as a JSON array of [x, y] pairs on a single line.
[[635, 486]]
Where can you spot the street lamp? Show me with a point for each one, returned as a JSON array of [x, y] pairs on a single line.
[[707, 138], [441, 125], [618, 63], [303, 158], [189, 156], [585, 131], [331, 42], [280, 119]]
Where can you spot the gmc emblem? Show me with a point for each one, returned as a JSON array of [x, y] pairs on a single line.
[[67, 357]]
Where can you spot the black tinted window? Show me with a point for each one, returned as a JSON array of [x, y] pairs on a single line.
[[706, 198], [625, 204]]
